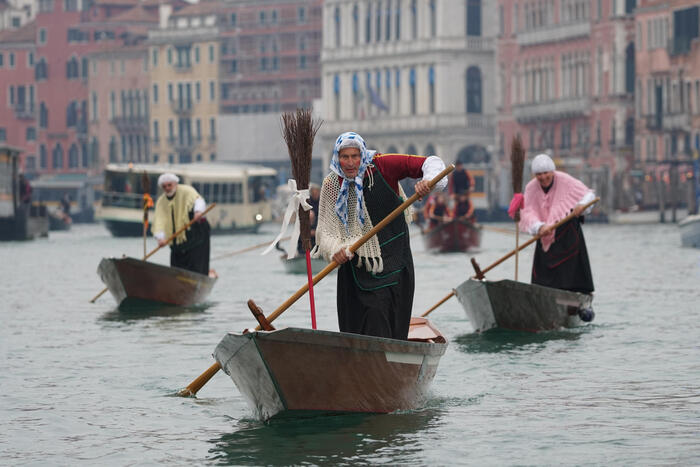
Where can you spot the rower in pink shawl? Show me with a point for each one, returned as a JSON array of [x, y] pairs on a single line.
[[561, 258]]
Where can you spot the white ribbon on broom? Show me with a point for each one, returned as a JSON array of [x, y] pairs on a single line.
[[297, 200]]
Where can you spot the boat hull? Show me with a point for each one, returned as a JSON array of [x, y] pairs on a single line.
[[519, 306], [453, 236], [690, 231], [302, 372], [133, 282]]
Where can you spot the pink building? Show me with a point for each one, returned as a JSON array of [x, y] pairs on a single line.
[[270, 55], [118, 90], [17, 92], [667, 101], [566, 79]]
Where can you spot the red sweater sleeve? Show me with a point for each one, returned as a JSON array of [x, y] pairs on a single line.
[[395, 167]]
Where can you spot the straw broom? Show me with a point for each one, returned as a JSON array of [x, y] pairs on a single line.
[[517, 161], [299, 130]]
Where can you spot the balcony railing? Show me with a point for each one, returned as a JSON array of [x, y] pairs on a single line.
[[555, 33], [183, 67], [552, 110], [677, 121], [131, 124], [181, 107], [25, 113]]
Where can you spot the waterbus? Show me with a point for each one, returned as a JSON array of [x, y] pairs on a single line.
[[242, 194]]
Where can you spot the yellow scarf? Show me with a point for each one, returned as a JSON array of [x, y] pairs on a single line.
[[178, 208]]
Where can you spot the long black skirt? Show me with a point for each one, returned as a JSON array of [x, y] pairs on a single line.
[[193, 254], [382, 312], [565, 265]]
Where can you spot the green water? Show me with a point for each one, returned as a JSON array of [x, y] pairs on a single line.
[[87, 384]]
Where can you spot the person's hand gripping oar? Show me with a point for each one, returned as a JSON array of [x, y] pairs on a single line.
[[202, 379]]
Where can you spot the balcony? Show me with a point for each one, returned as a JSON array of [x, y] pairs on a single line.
[[676, 122], [181, 107], [653, 122], [25, 113], [131, 125], [182, 67], [554, 33], [552, 110], [183, 145]]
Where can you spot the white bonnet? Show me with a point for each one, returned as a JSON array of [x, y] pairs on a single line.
[[168, 177], [542, 163]]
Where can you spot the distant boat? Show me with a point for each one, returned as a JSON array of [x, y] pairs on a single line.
[[301, 372], [59, 221], [520, 306], [690, 231], [297, 265], [452, 236], [135, 283]]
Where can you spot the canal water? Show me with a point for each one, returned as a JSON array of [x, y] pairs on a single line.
[[87, 384]]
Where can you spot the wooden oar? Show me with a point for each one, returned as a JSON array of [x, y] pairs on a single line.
[[182, 229], [202, 379], [532, 240], [247, 249]]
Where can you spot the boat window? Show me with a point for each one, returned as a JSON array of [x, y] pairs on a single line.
[[260, 187], [236, 193]]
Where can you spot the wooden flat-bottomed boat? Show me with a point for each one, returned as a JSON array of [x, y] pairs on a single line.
[[519, 306], [305, 372], [453, 236], [133, 282]]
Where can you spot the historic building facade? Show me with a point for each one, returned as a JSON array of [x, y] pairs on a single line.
[[184, 74], [18, 97], [413, 76], [667, 103], [566, 74]]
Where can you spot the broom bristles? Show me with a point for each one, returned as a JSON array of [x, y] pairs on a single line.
[[299, 130], [517, 160]]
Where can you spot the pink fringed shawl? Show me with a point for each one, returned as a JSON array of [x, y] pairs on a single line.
[[552, 206]]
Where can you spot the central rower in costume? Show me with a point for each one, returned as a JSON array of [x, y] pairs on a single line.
[[175, 208], [561, 258], [375, 290]]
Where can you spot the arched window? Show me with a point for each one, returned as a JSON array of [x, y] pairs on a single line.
[[431, 90], [368, 24], [387, 32], [336, 96], [397, 29], [473, 17], [411, 150], [629, 68], [94, 152], [412, 85], [73, 156], [85, 159], [473, 90], [433, 18], [43, 162], [336, 16], [57, 156], [429, 150], [392, 150], [113, 149], [414, 19], [378, 35], [355, 25]]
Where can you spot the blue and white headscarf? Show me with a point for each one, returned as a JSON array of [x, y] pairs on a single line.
[[350, 139]]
